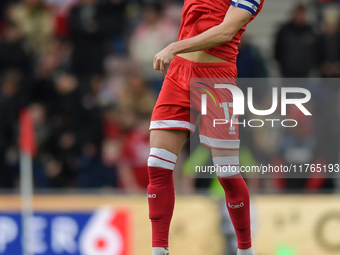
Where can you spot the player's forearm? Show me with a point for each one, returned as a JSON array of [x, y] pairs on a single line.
[[211, 38]]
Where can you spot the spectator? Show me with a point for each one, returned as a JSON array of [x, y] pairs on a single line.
[[35, 21], [329, 45], [295, 45], [116, 11], [90, 102], [173, 11], [133, 171], [61, 11], [4, 8], [150, 37], [13, 54], [42, 129], [42, 132], [112, 127], [67, 120], [250, 63], [137, 97], [11, 101], [55, 175], [66, 103], [41, 88], [98, 170], [91, 26], [74, 119]]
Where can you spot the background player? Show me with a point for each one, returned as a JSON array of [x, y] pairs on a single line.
[[207, 48]]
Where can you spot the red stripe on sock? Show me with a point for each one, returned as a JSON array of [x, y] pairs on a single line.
[[163, 159]]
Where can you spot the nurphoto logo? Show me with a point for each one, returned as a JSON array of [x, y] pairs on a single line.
[[238, 105]]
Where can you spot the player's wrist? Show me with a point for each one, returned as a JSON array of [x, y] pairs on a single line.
[[172, 49]]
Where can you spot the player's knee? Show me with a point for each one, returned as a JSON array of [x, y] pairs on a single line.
[[170, 140], [162, 158], [161, 164]]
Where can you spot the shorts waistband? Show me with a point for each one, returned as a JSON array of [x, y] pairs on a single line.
[[204, 64]]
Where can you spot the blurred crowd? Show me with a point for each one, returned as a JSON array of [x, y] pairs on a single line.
[[304, 48], [83, 68]]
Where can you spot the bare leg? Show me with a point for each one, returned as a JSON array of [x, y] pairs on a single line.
[[170, 140]]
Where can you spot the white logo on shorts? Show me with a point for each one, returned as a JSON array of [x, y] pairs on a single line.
[[232, 130]]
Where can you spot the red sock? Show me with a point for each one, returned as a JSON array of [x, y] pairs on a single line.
[[237, 197], [161, 194]]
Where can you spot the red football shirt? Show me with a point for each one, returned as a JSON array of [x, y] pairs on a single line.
[[200, 15]]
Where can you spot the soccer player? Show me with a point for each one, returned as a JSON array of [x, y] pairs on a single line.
[[207, 47]]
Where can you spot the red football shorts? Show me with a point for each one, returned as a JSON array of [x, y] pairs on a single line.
[[186, 85]]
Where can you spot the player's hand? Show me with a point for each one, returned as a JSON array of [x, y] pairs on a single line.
[[163, 59]]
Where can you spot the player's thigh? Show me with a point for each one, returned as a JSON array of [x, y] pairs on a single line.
[[170, 140]]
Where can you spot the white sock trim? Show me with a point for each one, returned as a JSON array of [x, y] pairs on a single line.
[[159, 251], [156, 162], [162, 158], [219, 143], [245, 252], [223, 161], [227, 166], [164, 154]]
